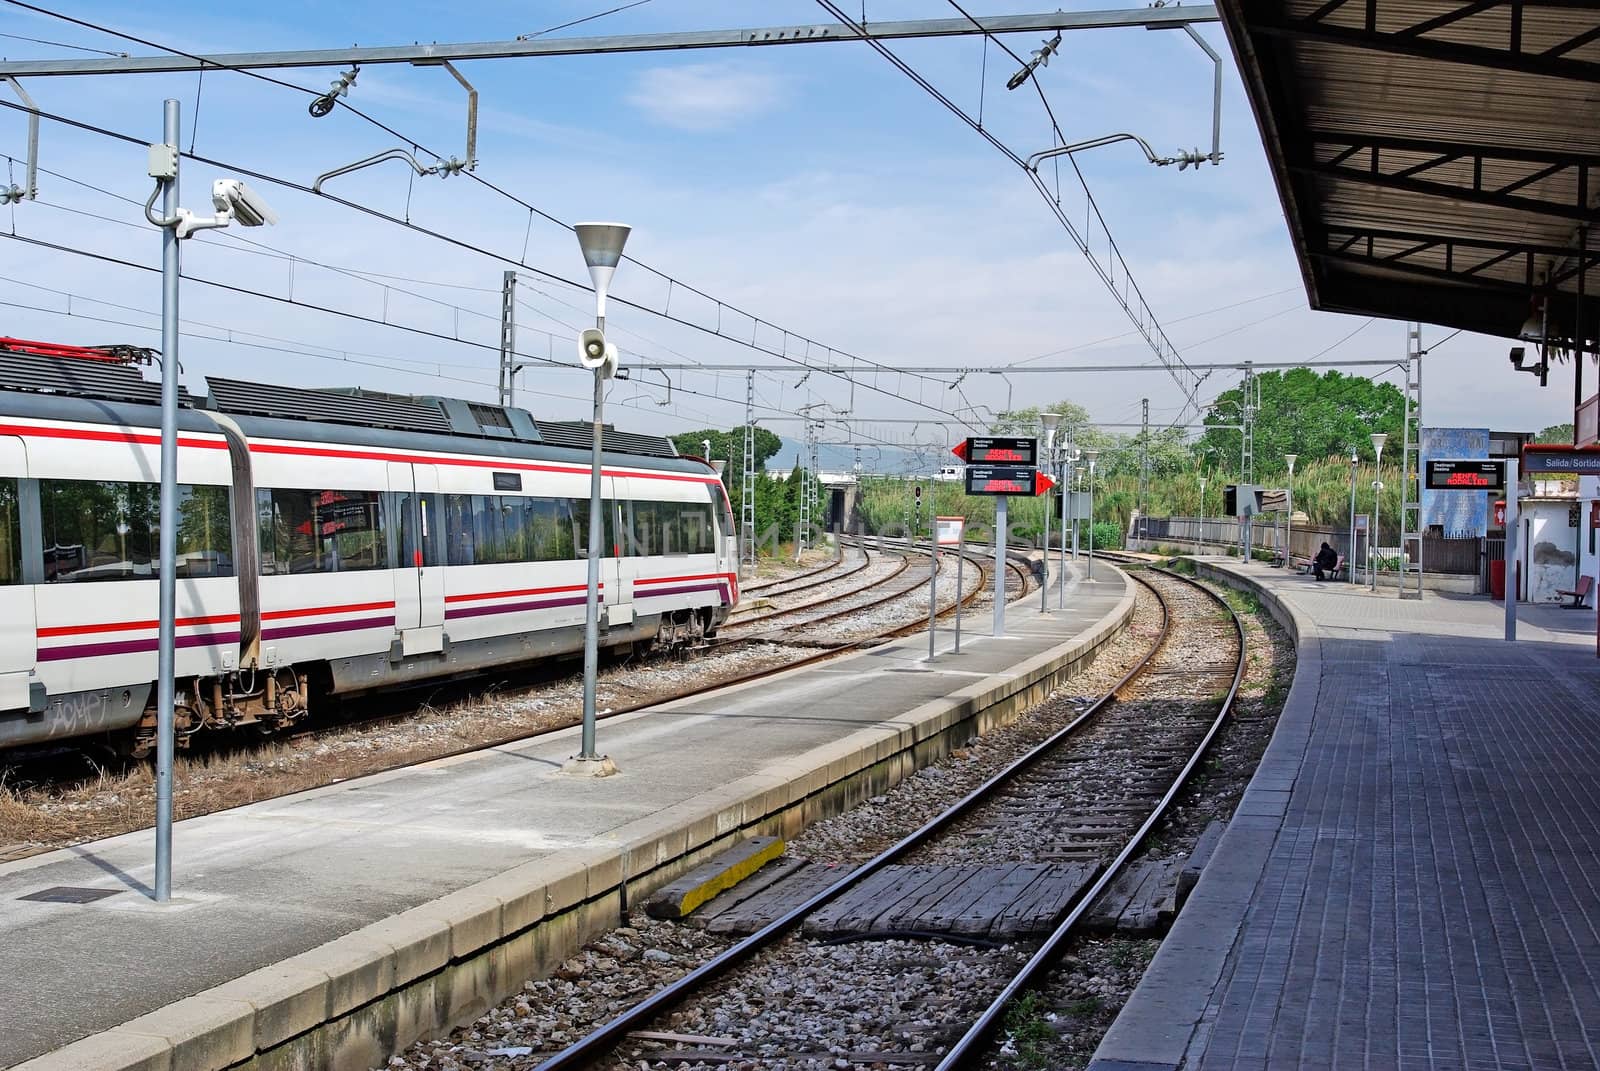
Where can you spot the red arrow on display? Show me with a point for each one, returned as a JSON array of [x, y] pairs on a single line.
[[1042, 484], [960, 449]]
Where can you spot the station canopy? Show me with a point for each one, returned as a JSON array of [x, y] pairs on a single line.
[[1437, 160]]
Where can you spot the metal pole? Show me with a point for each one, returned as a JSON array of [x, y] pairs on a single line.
[[1091, 522], [933, 587], [1288, 524], [591, 614], [1074, 471], [1000, 565], [168, 591], [1350, 558], [1044, 581], [1511, 549], [1377, 508], [961, 562], [1061, 576]]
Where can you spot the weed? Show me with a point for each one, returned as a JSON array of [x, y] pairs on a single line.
[[1029, 1031], [1085, 1008]]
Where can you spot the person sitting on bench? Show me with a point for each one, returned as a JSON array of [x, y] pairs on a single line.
[[1326, 561]]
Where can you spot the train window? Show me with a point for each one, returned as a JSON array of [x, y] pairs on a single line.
[[580, 528], [500, 529], [10, 535], [321, 531], [108, 530], [694, 529], [669, 528]]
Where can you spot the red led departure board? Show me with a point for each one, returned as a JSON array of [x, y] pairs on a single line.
[[1001, 480], [1009, 451], [1465, 474]]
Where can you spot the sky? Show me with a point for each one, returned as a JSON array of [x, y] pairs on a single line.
[[812, 200]]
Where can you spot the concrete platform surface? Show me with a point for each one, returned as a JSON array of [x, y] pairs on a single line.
[[1411, 879], [419, 851]]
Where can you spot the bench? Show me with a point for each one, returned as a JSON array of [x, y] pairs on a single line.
[[1308, 568], [1578, 594]]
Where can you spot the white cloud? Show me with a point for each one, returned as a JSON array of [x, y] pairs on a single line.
[[705, 96]]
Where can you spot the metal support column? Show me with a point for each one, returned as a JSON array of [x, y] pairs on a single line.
[[808, 459], [508, 337], [747, 485], [1144, 460], [167, 592], [1411, 470], [1000, 565]]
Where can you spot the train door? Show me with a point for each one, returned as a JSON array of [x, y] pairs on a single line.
[[419, 580], [17, 636]]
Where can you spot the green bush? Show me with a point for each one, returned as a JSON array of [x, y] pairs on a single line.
[[1106, 535]]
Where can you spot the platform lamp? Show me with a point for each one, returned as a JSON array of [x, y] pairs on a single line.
[[602, 251], [1288, 535], [1051, 421], [1378, 439], [1090, 456]]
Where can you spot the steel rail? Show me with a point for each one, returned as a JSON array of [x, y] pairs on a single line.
[[596, 1044], [750, 589], [966, 1050], [905, 564]]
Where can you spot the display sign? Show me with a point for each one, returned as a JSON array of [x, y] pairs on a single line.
[[1000, 480], [1272, 499], [1464, 474], [999, 451], [1361, 523], [947, 530], [1541, 457]]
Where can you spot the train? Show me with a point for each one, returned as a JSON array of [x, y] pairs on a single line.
[[330, 543]]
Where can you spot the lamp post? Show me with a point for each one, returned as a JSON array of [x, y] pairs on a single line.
[[235, 203], [1050, 421], [602, 251], [1288, 534], [1378, 439], [1350, 554], [1089, 456]]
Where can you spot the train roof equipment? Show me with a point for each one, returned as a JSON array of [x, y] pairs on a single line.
[[107, 374]]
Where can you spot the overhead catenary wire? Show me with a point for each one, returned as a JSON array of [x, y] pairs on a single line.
[[1160, 343], [387, 361], [757, 321], [851, 374]]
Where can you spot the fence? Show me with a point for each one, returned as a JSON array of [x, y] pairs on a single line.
[[1457, 557]]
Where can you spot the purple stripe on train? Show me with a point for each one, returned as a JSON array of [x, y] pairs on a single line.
[[513, 607], [720, 588], [320, 628], [116, 647]]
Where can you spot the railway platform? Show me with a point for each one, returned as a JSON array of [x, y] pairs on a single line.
[[330, 928], [1410, 879]]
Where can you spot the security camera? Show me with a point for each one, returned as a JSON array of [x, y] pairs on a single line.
[[232, 197], [1518, 353]]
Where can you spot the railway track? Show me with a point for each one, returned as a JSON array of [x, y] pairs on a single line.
[[1076, 809], [803, 579]]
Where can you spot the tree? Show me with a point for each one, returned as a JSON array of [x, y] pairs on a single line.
[[1555, 433], [1306, 414]]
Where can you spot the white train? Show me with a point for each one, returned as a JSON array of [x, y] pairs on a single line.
[[329, 543]]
